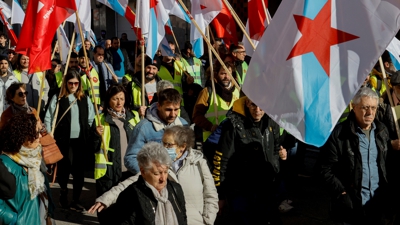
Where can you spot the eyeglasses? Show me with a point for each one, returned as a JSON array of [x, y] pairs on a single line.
[[168, 145], [11, 53], [366, 108], [73, 83], [21, 94], [55, 65]]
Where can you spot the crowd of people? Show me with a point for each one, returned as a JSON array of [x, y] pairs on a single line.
[[187, 149]]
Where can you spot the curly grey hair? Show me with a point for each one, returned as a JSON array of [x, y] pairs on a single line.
[[164, 84], [153, 152], [182, 135], [365, 92]]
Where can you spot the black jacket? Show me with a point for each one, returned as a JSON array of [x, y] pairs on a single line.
[[137, 204], [113, 174], [341, 165], [244, 150]]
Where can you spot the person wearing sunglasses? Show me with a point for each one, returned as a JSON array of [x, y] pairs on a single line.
[[16, 96], [33, 83], [6, 79], [71, 131]]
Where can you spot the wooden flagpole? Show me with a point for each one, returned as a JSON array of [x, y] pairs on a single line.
[[239, 22], [212, 82], [266, 12], [53, 126], [389, 97], [143, 72], [91, 82], [209, 44]]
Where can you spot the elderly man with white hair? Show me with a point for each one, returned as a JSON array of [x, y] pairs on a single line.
[[354, 164]]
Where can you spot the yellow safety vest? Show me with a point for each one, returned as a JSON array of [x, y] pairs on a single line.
[[96, 85], [59, 78], [223, 108], [128, 77], [240, 80], [18, 75], [100, 166], [164, 74], [194, 70]]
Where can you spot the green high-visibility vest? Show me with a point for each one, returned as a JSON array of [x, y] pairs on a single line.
[[245, 67], [18, 75], [96, 85], [59, 78], [100, 166], [194, 70], [223, 108], [164, 74], [128, 77]]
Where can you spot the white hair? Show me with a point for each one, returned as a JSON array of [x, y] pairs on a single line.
[[365, 92], [153, 152]]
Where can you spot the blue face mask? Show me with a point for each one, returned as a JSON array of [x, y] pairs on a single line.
[[172, 153]]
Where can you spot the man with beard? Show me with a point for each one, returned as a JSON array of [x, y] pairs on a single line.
[[73, 61], [159, 116], [7, 78], [204, 115], [134, 88]]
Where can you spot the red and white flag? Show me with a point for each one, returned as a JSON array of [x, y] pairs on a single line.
[[42, 19], [314, 57], [11, 35], [225, 26], [256, 24]]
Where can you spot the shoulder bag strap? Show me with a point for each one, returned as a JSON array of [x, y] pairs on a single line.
[[64, 112]]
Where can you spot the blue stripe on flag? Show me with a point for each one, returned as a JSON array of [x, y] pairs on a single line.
[[187, 19], [152, 41], [395, 62], [198, 47], [117, 7], [312, 7], [318, 119]]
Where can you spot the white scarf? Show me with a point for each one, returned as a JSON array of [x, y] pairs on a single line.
[[165, 214], [31, 159]]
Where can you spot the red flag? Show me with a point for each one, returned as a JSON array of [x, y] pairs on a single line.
[[130, 16], [225, 26], [42, 19], [257, 17], [10, 31]]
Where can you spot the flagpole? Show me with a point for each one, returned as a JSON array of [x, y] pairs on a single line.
[[143, 72], [239, 22], [91, 82], [265, 11], [213, 39], [212, 81], [209, 44], [53, 127], [109, 70], [40, 95], [389, 97], [176, 42], [54, 50]]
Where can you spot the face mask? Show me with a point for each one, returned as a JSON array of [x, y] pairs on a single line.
[[172, 153]]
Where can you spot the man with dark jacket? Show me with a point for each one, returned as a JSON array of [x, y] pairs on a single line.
[[246, 164], [354, 163]]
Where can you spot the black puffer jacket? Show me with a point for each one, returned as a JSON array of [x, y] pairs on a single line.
[[137, 204], [341, 164], [245, 150]]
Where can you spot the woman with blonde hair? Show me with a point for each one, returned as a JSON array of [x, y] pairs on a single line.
[[72, 127]]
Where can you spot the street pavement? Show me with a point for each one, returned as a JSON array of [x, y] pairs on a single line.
[[310, 199]]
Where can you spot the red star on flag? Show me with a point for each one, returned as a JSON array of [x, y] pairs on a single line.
[[318, 36]]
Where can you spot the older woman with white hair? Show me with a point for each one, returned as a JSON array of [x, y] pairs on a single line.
[[152, 199]]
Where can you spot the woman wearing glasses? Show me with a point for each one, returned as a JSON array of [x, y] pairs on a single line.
[[16, 96], [72, 125]]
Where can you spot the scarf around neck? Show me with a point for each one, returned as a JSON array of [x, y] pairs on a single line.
[[116, 114], [165, 214], [17, 108], [225, 94], [31, 159]]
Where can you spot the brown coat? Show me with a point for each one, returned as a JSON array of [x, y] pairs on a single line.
[[8, 113]]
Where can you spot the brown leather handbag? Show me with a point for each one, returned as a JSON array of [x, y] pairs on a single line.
[[51, 152]]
